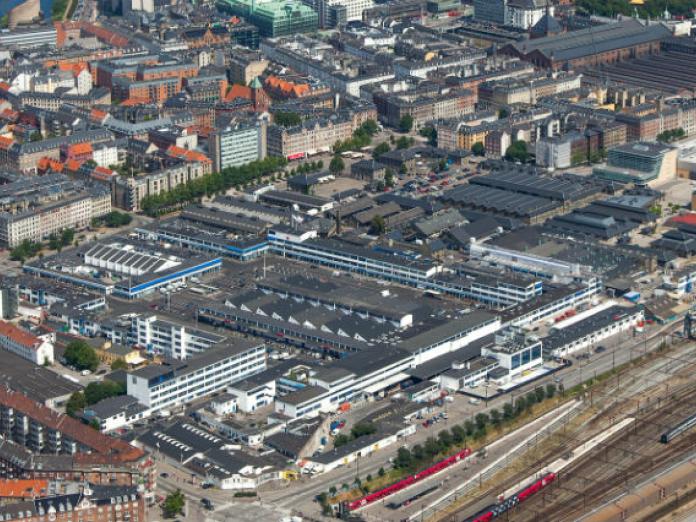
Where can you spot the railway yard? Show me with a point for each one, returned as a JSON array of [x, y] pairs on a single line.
[[612, 450]]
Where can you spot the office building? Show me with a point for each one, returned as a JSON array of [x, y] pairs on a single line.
[[494, 11], [171, 338], [237, 145], [175, 383], [641, 163], [276, 17]]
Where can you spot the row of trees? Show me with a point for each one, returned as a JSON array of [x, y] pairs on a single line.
[[361, 429], [475, 429], [28, 249], [648, 8], [307, 168], [58, 241], [210, 184], [671, 135], [409, 460], [25, 250]]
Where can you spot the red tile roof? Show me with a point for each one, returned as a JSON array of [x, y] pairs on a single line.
[[687, 219], [5, 143], [114, 450], [23, 488], [238, 91], [26, 339], [80, 148]]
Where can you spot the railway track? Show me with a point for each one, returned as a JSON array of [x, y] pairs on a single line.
[[652, 418], [615, 468]]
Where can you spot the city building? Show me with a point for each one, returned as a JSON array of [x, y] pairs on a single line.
[[172, 338], [43, 430], [237, 145], [33, 208], [275, 17], [85, 501], [174, 383], [28, 37], [35, 348], [642, 163], [596, 45]]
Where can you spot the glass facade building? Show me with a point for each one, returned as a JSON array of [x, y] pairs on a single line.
[[276, 17]]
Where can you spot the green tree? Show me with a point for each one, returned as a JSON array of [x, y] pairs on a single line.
[[98, 391], [380, 149], [550, 390], [445, 439], [404, 142], [381, 472], [508, 411], [81, 355], [336, 166], [478, 149], [417, 452], [35, 136], [403, 458], [370, 127], [119, 364], [469, 428], [431, 134], [25, 250], [67, 236], [320, 164], [333, 491], [94, 424], [341, 440], [286, 118], [75, 403], [173, 505], [389, 178], [540, 393], [481, 420], [377, 225], [363, 429], [458, 434], [503, 113], [495, 417], [517, 151], [403, 169], [406, 123], [531, 399], [431, 447]]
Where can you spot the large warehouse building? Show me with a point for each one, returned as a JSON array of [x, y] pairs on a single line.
[[609, 43]]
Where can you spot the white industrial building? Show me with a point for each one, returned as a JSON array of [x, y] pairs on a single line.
[[160, 387]]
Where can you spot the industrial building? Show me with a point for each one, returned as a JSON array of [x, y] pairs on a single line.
[[596, 45], [124, 267]]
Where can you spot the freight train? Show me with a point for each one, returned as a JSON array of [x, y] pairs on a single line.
[[408, 481], [496, 510]]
